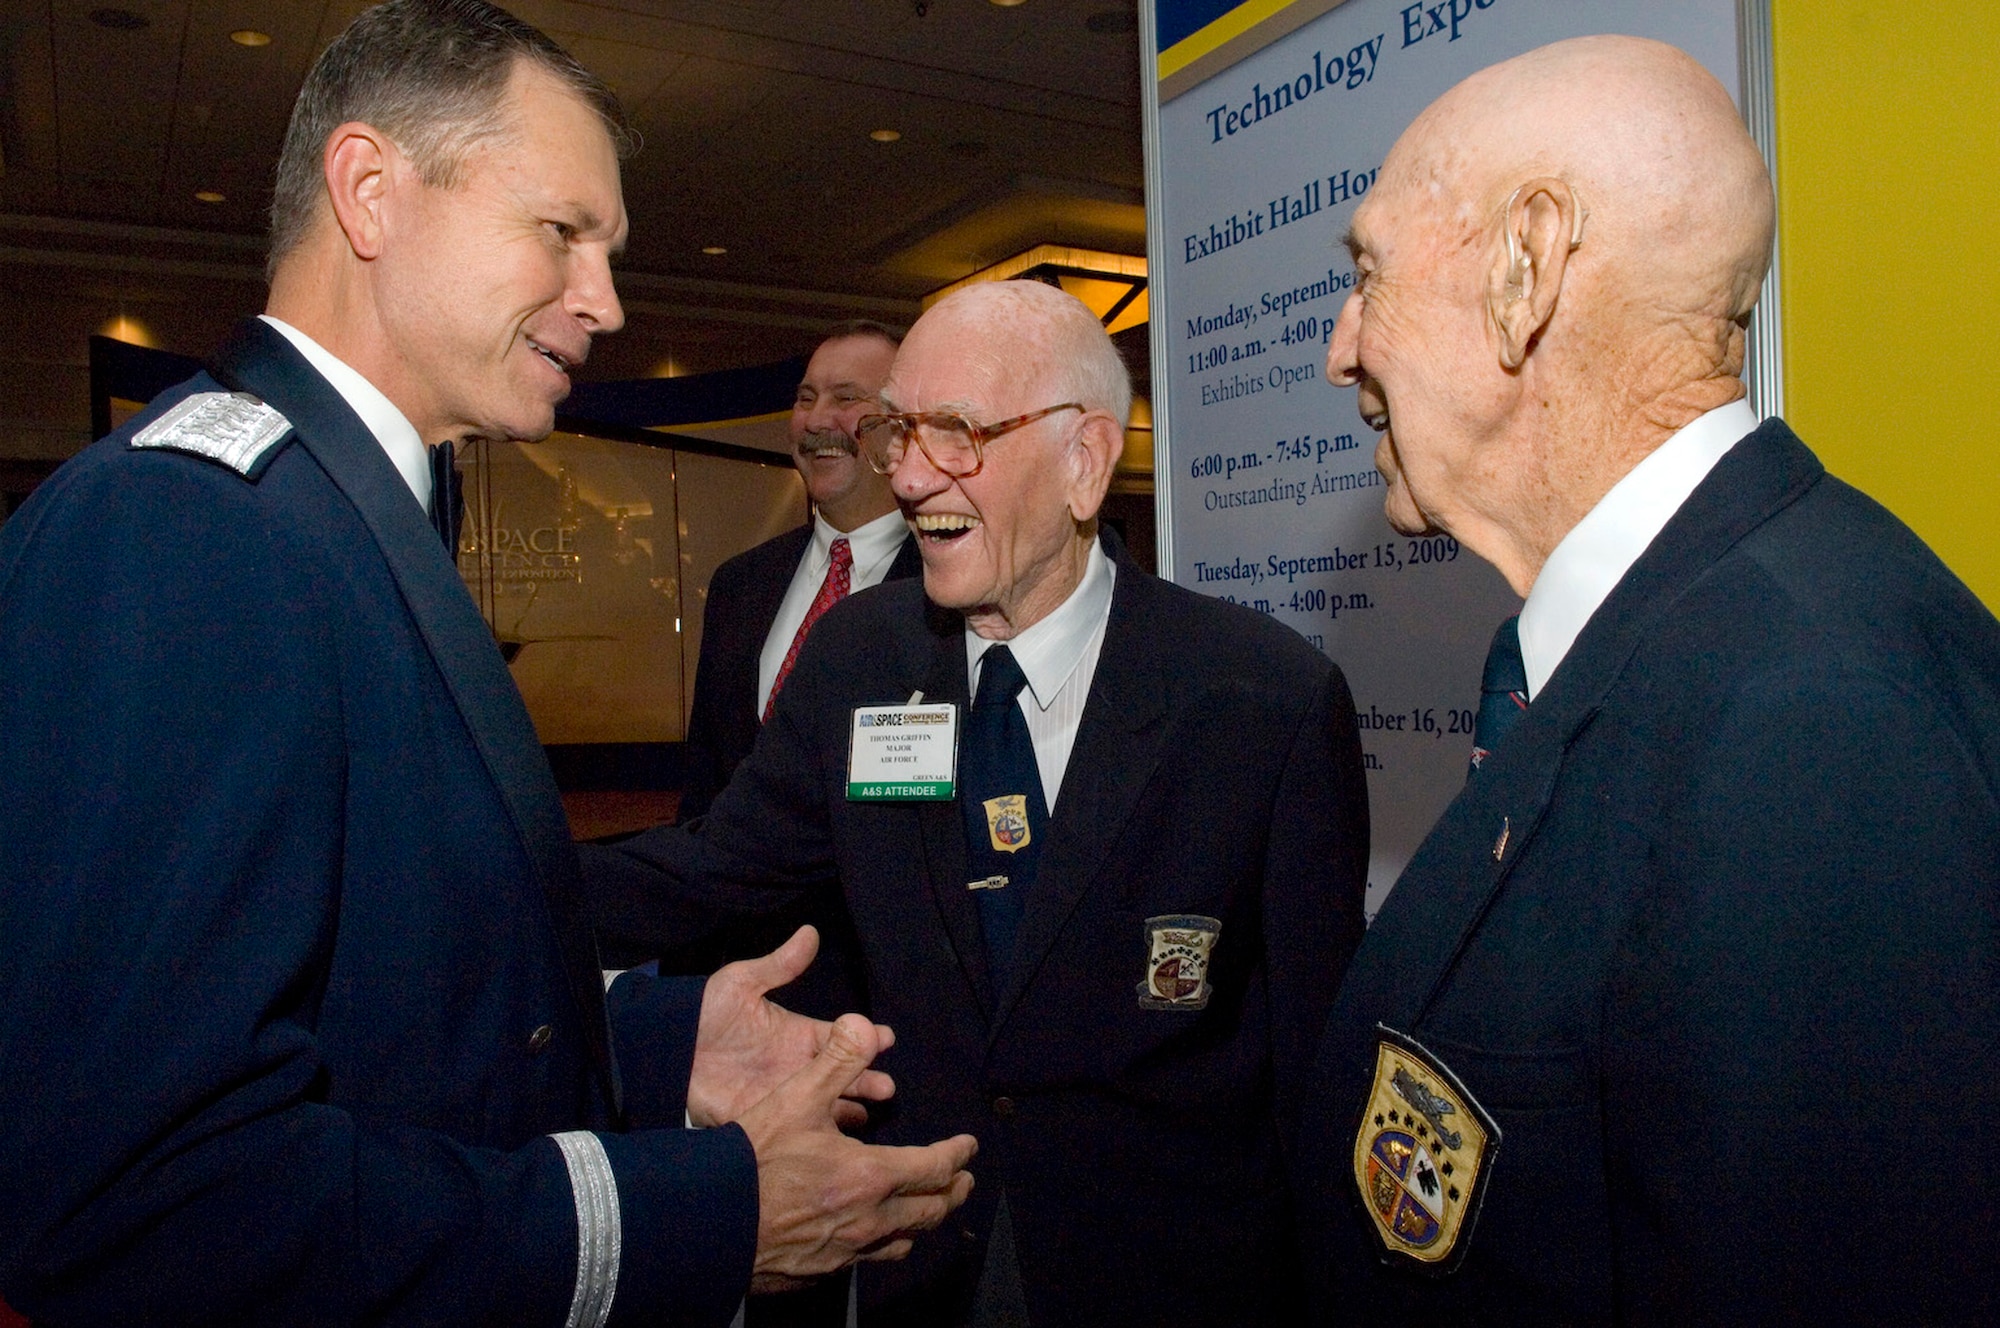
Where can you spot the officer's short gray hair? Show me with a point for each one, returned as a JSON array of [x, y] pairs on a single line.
[[432, 75]]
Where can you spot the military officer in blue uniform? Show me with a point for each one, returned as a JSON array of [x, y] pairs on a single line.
[[304, 1019], [1688, 1010]]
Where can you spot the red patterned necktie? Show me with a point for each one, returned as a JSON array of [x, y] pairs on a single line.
[[839, 576]]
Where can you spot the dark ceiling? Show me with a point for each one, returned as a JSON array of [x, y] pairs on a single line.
[[1019, 126]]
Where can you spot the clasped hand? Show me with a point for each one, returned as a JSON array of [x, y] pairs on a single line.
[[746, 1044], [824, 1199]]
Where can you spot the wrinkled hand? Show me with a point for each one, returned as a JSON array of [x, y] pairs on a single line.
[[826, 1200], [746, 1045]]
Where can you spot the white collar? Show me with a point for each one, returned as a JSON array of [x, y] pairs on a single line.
[[1049, 651], [1594, 557], [392, 429], [868, 542]]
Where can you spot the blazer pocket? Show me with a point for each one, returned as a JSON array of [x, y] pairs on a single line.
[[1518, 1079], [1541, 1236]]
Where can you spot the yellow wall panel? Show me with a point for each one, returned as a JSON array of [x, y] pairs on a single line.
[[1889, 221]]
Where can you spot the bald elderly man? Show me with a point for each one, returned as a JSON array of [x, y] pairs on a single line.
[[1109, 952], [1688, 1010]]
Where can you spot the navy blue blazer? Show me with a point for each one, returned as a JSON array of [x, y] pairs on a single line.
[[1216, 772], [293, 954], [1715, 939]]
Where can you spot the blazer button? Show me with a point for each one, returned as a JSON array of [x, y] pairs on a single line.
[[1003, 1107], [539, 1040]]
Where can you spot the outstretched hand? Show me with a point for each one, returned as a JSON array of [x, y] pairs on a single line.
[[826, 1200], [746, 1045]]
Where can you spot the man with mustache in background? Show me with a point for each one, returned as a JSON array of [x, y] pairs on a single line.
[[762, 602]]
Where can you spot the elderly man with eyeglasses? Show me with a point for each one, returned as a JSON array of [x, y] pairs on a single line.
[[1108, 932]]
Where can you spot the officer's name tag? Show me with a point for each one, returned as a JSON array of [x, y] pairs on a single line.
[[902, 753]]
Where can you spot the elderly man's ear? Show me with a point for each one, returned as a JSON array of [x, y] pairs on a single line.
[[1091, 459], [1540, 226]]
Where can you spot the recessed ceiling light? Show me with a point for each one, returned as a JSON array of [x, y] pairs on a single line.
[[714, 250], [885, 135], [208, 196], [1009, 4], [119, 20], [250, 37]]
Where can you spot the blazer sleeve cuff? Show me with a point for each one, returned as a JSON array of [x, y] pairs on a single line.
[[653, 1026], [687, 1219]]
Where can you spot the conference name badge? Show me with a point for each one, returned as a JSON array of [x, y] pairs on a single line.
[[1422, 1155], [1178, 949], [905, 753]]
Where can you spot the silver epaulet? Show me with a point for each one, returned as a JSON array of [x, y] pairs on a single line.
[[234, 428]]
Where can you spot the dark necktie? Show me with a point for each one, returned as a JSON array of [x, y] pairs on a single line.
[[1000, 795], [839, 578], [1503, 693], [447, 499]]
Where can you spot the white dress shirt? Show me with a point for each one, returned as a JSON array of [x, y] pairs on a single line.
[[392, 429], [874, 546], [1059, 657], [1594, 557]]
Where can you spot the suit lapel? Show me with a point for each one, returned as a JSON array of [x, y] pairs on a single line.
[[939, 824], [1457, 872], [1458, 869], [765, 592], [260, 360], [1126, 722], [909, 561]]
